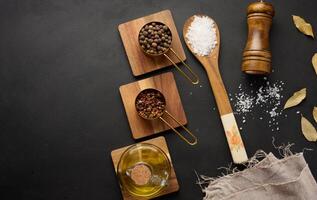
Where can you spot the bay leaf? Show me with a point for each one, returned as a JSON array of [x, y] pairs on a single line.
[[296, 99], [303, 26], [315, 114], [314, 61], [308, 130]]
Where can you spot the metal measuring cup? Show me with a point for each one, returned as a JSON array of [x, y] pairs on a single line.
[[167, 47], [156, 108]]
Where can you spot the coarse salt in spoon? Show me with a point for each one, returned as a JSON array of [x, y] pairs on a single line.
[[202, 37]]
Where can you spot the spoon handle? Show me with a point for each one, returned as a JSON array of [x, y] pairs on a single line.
[[238, 152], [228, 120], [219, 90]]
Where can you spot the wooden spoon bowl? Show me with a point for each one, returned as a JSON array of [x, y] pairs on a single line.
[[215, 52]]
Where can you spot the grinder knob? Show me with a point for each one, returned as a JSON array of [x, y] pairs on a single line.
[[257, 55]]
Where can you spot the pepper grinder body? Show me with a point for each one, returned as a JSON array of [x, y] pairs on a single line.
[[257, 55]]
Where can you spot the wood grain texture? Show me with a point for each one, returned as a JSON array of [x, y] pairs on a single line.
[[139, 62], [172, 182], [257, 56], [166, 84], [210, 63]]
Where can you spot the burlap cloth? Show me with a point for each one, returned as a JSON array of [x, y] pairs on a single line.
[[270, 179]]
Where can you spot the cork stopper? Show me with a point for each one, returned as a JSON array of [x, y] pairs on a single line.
[[141, 174]]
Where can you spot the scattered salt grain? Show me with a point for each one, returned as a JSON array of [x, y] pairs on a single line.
[[264, 97], [244, 102], [273, 113], [201, 35]]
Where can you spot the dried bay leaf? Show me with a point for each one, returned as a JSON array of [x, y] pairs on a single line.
[[308, 130], [303, 26], [314, 61], [315, 114], [296, 99]]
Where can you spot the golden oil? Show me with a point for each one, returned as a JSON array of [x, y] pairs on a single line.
[[155, 170]]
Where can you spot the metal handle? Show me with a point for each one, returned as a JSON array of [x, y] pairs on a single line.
[[196, 79], [178, 133]]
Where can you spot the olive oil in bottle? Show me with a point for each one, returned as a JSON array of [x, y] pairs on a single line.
[[144, 170]]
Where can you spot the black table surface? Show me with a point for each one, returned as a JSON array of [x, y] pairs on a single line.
[[62, 62]]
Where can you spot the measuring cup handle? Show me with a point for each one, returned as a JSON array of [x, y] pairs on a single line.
[[193, 81], [194, 141]]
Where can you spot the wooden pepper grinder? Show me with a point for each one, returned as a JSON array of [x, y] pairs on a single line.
[[257, 55]]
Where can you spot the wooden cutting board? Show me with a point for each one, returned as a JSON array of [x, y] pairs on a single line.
[[172, 182], [139, 62], [166, 84]]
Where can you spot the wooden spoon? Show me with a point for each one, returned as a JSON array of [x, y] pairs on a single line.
[[210, 63]]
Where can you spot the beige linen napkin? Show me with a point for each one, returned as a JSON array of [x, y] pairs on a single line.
[[271, 179]]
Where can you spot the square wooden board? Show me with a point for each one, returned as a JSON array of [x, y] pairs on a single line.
[[166, 84], [172, 182], [139, 62]]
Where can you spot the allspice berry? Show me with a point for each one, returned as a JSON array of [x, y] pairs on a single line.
[[155, 38]]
